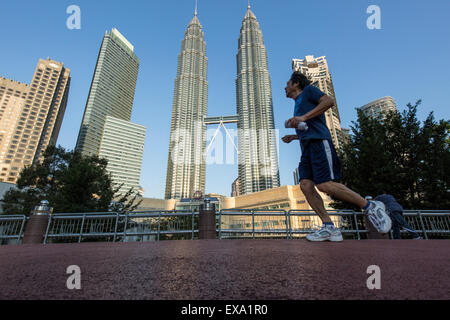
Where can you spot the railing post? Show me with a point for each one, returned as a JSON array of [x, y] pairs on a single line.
[[21, 228], [287, 227], [253, 224], [290, 224], [192, 211], [356, 225], [47, 230], [423, 225], [82, 226], [220, 225], [115, 228], [159, 224], [125, 227]]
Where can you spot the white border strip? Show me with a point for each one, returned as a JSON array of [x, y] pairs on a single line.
[[326, 144]]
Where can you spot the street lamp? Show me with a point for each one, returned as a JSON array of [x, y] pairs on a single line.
[[43, 209]]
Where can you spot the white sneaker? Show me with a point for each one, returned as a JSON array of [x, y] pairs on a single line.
[[378, 217], [325, 234]]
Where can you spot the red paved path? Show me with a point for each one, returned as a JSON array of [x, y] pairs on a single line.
[[228, 269]]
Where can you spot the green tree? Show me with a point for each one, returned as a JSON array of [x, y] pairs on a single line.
[[400, 156], [70, 182], [434, 164]]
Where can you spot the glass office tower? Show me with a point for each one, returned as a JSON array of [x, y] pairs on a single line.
[[112, 90]]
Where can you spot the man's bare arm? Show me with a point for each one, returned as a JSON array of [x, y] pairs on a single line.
[[289, 138], [325, 103]]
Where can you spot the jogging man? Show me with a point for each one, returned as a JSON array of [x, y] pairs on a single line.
[[395, 211], [320, 165]]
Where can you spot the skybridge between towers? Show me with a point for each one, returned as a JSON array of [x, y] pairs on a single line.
[[221, 121]]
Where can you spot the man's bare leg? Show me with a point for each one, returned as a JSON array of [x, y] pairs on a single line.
[[315, 200], [343, 193]]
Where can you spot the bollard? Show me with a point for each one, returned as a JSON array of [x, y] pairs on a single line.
[[372, 233], [207, 221], [37, 224]]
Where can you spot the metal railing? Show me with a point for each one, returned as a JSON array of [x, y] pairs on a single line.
[[248, 224], [298, 223], [348, 221], [284, 224], [12, 228], [136, 226], [230, 224], [429, 222]]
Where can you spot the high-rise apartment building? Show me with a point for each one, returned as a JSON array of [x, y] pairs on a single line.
[[235, 188], [379, 108], [123, 145], [31, 117], [112, 90], [316, 69], [106, 130], [345, 135], [258, 158], [12, 100], [296, 174], [186, 167]]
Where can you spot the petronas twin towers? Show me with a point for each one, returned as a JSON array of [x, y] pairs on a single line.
[[258, 159]]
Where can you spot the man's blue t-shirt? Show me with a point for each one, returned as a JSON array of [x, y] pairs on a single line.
[[305, 102]]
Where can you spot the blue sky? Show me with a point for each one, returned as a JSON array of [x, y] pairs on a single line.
[[407, 59]]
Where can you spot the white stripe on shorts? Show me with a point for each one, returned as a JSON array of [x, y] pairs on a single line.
[[326, 144]]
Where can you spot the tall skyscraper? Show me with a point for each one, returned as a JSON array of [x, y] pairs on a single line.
[[379, 108], [318, 72], [106, 130], [123, 145], [296, 176], [186, 168], [345, 136], [31, 117], [258, 158], [112, 90], [235, 188], [12, 99]]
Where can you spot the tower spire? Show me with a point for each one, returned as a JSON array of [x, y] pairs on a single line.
[[249, 4], [195, 7]]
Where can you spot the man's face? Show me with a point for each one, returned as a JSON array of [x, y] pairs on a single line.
[[290, 89]]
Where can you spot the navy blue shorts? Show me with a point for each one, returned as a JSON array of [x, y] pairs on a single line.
[[319, 162]]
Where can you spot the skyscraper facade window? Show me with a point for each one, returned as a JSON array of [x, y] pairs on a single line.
[[112, 90], [31, 117], [258, 157], [123, 145], [106, 130], [379, 108], [186, 167]]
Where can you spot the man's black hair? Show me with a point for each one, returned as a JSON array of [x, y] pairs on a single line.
[[301, 79]]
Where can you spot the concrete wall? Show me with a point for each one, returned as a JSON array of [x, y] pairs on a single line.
[[286, 198], [157, 204]]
